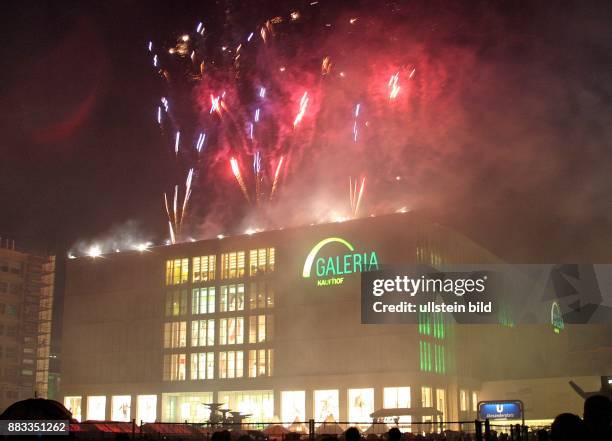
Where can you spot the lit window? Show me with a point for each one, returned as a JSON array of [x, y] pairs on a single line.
[[73, 404], [439, 330], [439, 359], [463, 400], [204, 268], [360, 405], [326, 404], [176, 303], [293, 406], [146, 408], [174, 367], [441, 403], [260, 362], [96, 408], [121, 407], [424, 319], [177, 271], [231, 364], [261, 261], [232, 265], [202, 366], [203, 300], [181, 407], [261, 295], [260, 328], [474, 401], [426, 397], [396, 397], [425, 356], [231, 331], [232, 298], [175, 335], [203, 333], [258, 404]]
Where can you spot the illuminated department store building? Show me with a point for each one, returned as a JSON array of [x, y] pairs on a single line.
[[266, 323]]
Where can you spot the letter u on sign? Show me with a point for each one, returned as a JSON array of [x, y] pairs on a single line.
[[499, 408]]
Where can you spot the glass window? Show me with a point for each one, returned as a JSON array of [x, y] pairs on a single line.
[[326, 404], [175, 335], [146, 408], [73, 404], [202, 333], [231, 331], [232, 298], [261, 328], [203, 300], [463, 400], [360, 405], [261, 295], [203, 366], [441, 403], [121, 406], [181, 407], [176, 302], [231, 364], [261, 261], [204, 268], [96, 408], [426, 397], [232, 265], [177, 271], [174, 367], [396, 397], [258, 404], [260, 362], [293, 406], [425, 356]]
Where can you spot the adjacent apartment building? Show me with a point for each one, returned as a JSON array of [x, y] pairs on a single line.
[[26, 299]]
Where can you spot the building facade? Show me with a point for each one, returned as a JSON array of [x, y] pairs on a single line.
[[268, 324], [26, 299]]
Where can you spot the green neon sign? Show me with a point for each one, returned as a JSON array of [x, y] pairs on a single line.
[[332, 269]]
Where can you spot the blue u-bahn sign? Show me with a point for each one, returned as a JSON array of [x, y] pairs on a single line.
[[500, 410]]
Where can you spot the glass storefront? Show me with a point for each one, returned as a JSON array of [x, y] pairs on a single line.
[[293, 406], [180, 407], [326, 404], [96, 408], [121, 408], [258, 404], [360, 405], [146, 408], [73, 404]]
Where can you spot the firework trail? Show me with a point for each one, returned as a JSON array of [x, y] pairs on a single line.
[[356, 195], [276, 175], [302, 109], [186, 198], [177, 142], [355, 128], [394, 86], [238, 176], [257, 173]]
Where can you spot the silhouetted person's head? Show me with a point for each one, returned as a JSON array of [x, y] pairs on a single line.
[[567, 427], [598, 410], [598, 416], [394, 434], [352, 434]]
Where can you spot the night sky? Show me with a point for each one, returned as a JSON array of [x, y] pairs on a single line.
[[81, 152]]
